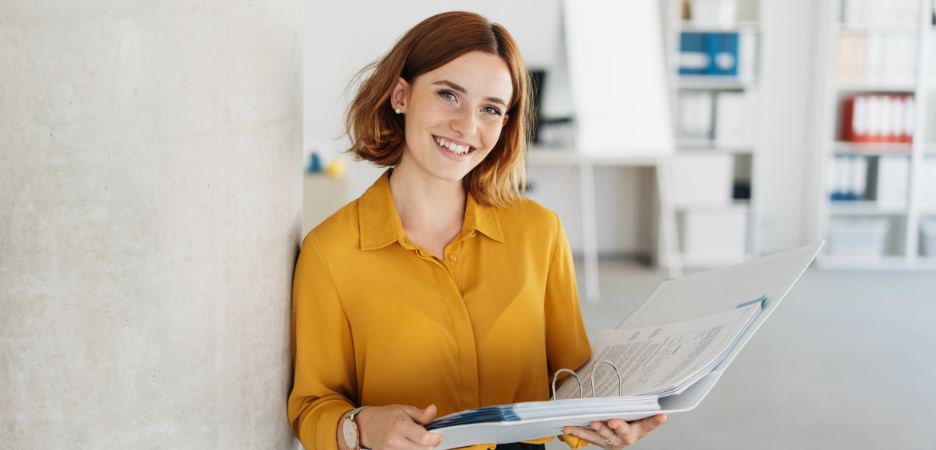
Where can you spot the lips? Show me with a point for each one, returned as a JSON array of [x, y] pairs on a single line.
[[453, 147]]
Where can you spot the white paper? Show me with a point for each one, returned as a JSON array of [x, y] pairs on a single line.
[[660, 360]]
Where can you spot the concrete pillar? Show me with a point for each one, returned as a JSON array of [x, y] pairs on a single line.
[[150, 207]]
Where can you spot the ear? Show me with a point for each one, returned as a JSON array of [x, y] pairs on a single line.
[[506, 116], [399, 93]]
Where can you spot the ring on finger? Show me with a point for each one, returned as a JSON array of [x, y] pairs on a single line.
[[611, 442]]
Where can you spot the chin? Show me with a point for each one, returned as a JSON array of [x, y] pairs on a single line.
[[451, 176]]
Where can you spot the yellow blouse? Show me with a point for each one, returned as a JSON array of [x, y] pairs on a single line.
[[378, 320]]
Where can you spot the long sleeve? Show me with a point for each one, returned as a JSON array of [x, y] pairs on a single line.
[[379, 321], [567, 344], [323, 356]]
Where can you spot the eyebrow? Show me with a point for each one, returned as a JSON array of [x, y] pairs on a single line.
[[458, 88]]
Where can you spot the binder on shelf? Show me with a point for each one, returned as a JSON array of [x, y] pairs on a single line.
[[722, 49], [734, 118], [718, 54], [878, 118], [724, 118], [881, 57], [848, 178], [893, 181], [693, 56], [695, 115], [747, 54], [850, 59], [869, 13], [743, 296]]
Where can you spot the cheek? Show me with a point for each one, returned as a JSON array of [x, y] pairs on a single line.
[[434, 113], [423, 115], [490, 133]]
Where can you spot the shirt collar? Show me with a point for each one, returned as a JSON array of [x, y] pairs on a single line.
[[381, 226]]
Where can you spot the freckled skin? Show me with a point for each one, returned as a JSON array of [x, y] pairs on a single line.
[[465, 118]]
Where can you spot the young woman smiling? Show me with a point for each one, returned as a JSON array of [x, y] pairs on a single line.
[[440, 288]]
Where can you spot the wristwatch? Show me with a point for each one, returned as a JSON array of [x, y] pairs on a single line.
[[352, 434]]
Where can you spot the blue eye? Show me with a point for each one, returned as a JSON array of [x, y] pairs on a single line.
[[447, 95], [491, 110]]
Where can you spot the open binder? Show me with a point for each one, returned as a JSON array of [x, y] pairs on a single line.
[[765, 280]]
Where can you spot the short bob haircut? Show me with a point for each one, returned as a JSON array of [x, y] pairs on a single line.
[[377, 132]]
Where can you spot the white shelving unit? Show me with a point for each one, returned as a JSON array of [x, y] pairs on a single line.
[[903, 241], [744, 156]]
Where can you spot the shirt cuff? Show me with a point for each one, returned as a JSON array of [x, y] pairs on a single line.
[[573, 441], [327, 431]]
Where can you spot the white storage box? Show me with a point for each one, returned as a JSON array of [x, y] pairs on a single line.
[[715, 235], [702, 180], [714, 13], [857, 237], [928, 226]]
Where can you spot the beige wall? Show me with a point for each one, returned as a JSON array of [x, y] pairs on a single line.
[[150, 191]]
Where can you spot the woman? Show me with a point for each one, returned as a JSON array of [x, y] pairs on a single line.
[[439, 288]]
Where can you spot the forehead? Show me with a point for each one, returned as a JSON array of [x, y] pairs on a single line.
[[481, 74]]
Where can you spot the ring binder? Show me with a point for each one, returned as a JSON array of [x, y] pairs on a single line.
[[718, 295], [618, 372], [577, 380], [556, 376]]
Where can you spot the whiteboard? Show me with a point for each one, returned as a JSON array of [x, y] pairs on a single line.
[[618, 79]]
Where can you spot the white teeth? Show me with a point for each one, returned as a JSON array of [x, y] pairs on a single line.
[[454, 148]]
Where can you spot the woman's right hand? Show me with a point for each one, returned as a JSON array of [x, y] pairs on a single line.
[[397, 427]]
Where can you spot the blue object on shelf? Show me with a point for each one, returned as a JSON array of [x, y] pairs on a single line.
[[708, 54], [723, 49], [315, 163], [693, 58]]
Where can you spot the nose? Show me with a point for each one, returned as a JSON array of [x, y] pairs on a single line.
[[464, 122]]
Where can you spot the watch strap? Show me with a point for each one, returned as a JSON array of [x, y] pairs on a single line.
[[355, 411], [351, 415]]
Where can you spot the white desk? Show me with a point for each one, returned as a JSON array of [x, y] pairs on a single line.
[[668, 234]]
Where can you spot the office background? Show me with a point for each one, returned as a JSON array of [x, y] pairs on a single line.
[[763, 180], [160, 163]]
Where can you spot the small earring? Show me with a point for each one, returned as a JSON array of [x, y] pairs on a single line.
[[398, 110]]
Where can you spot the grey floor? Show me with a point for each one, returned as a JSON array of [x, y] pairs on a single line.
[[847, 361]]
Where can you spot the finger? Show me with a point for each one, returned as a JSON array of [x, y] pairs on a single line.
[[588, 435], [401, 442], [427, 415], [644, 427], [413, 429], [424, 418], [419, 414], [420, 437], [602, 429], [626, 434]]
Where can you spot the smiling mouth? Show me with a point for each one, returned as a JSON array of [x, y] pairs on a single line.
[[454, 148]]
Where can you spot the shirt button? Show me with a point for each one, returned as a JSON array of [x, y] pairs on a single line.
[[453, 257]]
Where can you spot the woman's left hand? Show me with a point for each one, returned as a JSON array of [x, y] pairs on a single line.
[[616, 434]]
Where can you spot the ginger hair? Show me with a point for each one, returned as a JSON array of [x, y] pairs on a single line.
[[377, 132]]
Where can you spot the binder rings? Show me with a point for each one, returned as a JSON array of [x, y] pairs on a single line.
[[688, 298]]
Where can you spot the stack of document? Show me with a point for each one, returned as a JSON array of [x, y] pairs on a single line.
[[662, 360], [546, 410], [646, 363], [665, 357]]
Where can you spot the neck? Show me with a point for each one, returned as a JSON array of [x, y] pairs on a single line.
[[427, 204]]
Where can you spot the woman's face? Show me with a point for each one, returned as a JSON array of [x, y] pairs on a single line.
[[454, 114]]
